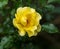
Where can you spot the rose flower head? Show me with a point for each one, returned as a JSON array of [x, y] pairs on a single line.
[[27, 21]]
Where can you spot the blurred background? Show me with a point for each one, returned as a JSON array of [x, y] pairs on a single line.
[[48, 38]]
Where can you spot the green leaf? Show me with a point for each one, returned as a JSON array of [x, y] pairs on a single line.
[[49, 7], [56, 10], [3, 3], [49, 1], [52, 1], [1, 47], [50, 28], [1, 29], [49, 17], [43, 2], [6, 42], [13, 12]]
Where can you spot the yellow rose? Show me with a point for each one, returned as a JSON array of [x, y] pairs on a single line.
[[27, 21]]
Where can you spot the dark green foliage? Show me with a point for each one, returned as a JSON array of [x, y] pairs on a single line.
[[9, 37], [3, 3], [6, 42], [50, 28]]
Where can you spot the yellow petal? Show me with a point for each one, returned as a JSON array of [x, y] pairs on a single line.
[[39, 16], [32, 10], [19, 9], [30, 33], [14, 22], [31, 28], [38, 28], [23, 21], [21, 32]]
